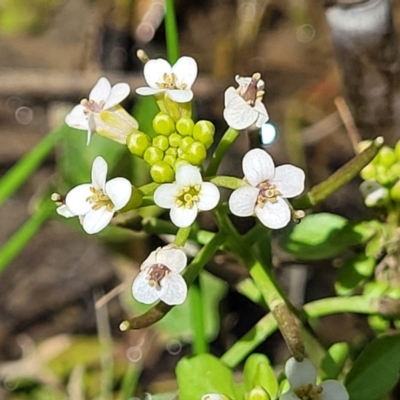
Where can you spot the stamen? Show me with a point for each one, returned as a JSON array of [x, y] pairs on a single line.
[[156, 274], [188, 196], [267, 193], [100, 199]]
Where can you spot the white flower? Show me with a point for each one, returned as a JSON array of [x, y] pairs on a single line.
[[374, 194], [302, 377], [187, 196], [243, 106], [90, 114], [95, 203], [266, 190], [159, 277], [176, 81]]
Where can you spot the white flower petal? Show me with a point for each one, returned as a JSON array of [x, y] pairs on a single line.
[[64, 211], [76, 199], [183, 216], [174, 290], [101, 90], [99, 173], [188, 175], [154, 71], [119, 190], [165, 195], [289, 180], [290, 395], [208, 197], [119, 92], [243, 200], [185, 70], [77, 119], [180, 96], [300, 373], [147, 91], [96, 220], [175, 259], [263, 116], [333, 390], [258, 166], [237, 113], [274, 215], [142, 291]]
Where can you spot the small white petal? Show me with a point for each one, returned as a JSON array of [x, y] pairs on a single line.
[[263, 116], [64, 211], [274, 215], [175, 259], [243, 200], [119, 190], [208, 197], [290, 395], [101, 90], [289, 180], [174, 290], [77, 119], [76, 199], [180, 96], [258, 166], [333, 390], [183, 216], [119, 92], [154, 71], [165, 195], [142, 291], [147, 91], [237, 113], [300, 373], [188, 175], [185, 70], [96, 220], [99, 173]]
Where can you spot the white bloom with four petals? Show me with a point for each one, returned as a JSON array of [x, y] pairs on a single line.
[[266, 190], [160, 279], [96, 203], [302, 377], [187, 196], [176, 80], [243, 106], [103, 97]]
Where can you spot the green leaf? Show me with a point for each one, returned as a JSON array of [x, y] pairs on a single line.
[[376, 370], [258, 372], [203, 374], [324, 235]]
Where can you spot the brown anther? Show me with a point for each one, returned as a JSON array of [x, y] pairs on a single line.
[[157, 273]]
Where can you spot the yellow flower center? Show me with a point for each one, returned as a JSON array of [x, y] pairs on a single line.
[[188, 196], [156, 274], [267, 193], [170, 82], [91, 106], [100, 199], [309, 392]]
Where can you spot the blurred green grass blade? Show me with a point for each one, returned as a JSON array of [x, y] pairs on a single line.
[[129, 381], [17, 242], [171, 32], [20, 172]]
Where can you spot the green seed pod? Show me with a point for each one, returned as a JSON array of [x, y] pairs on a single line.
[[175, 140], [163, 124], [184, 126], [185, 143], [368, 172], [170, 159], [137, 143], [361, 146], [386, 156], [162, 172], [395, 192], [161, 142], [153, 155], [203, 132], [196, 153]]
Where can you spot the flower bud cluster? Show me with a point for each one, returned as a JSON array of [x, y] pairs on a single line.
[[176, 143], [382, 177]]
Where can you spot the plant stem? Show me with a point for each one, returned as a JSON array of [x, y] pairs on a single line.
[[171, 32], [182, 236]]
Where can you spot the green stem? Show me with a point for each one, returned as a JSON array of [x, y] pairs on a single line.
[[129, 381], [200, 344], [182, 236], [171, 32], [226, 141]]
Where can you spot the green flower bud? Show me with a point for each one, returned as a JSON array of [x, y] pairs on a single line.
[[386, 156], [382, 175], [368, 172], [162, 172], [184, 126], [258, 393], [161, 142], [180, 161], [185, 143], [395, 192], [203, 132], [394, 172], [137, 143], [163, 124], [397, 150], [170, 159], [196, 153], [153, 155], [175, 140], [171, 152]]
